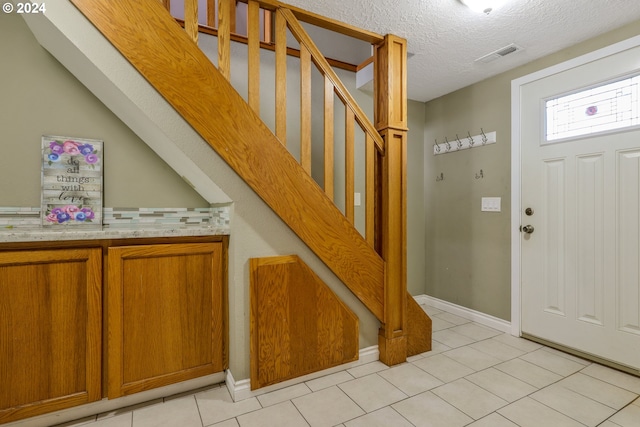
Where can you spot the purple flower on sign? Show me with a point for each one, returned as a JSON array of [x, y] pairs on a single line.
[[86, 149], [62, 217], [56, 147], [89, 214], [91, 158]]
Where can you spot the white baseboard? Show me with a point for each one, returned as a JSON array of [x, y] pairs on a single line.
[[241, 389], [466, 313]]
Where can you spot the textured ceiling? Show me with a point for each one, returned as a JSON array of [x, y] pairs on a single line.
[[446, 37]]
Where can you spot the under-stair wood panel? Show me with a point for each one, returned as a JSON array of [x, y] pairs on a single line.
[[161, 51], [298, 325]]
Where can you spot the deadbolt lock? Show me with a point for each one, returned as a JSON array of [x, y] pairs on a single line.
[[528, 211]]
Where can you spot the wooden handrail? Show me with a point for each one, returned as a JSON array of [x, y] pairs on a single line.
[[335, 63], [267, 36], [303, 38], [322, 21]]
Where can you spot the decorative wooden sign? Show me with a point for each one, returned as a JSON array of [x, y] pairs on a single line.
[[71, 182]]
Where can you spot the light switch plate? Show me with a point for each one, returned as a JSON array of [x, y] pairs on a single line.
[[356, 199], [491, 204]]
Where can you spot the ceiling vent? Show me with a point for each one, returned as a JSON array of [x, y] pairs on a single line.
[[500, 53]]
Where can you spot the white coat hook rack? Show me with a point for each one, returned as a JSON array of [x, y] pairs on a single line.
[[465, 143]]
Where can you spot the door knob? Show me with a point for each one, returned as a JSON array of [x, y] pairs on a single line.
[[528, 229]]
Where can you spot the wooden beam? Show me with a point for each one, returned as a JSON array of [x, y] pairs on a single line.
[[211, 13], [191, 19], [370, 191], [328, 138], [349, 165], [267, 31], [281, 78], [253, 35], [305, 109], [224, 38]]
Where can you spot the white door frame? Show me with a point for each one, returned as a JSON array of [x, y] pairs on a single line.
[[516, 85]]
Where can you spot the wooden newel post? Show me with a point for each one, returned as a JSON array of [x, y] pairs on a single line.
[[391, 121]]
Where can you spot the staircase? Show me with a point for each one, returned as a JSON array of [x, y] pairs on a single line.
[[372, 266]]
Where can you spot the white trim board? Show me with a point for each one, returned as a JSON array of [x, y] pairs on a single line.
[[516, 165], [466, 313], [241, 389]]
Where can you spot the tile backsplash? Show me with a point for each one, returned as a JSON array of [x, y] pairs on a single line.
[[129, 218]]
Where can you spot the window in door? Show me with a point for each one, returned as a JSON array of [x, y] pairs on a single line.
[[613, 105]]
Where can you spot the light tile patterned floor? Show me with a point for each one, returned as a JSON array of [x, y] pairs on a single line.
[[475, 376]]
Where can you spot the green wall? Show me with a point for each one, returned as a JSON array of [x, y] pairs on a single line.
[[38, 96], [468, 251]]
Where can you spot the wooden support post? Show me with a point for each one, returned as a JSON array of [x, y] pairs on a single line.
[[224, 38], [281, 76], [391, 121], [253, 42], [191, 19]]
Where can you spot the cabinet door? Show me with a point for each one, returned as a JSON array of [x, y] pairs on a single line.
[[50, 330], [166, 321]]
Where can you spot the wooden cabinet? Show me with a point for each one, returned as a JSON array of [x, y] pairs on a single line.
[[50, 330], [161, 319], [166, 317]]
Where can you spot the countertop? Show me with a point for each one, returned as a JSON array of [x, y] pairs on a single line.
[[9, 235]]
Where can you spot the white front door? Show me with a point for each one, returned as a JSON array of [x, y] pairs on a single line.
[[580, 260]]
